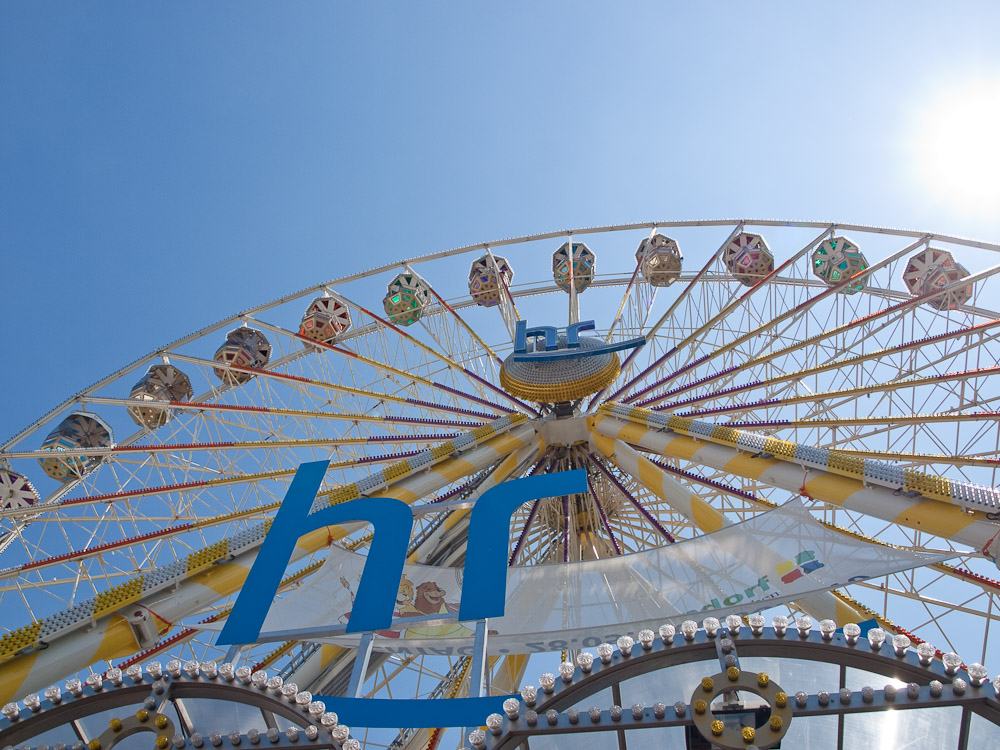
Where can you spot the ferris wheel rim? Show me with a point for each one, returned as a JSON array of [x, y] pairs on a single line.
[[463, 249]]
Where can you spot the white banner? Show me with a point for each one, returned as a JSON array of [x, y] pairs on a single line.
[[775, 557]]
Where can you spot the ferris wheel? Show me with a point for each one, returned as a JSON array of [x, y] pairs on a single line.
[[844, 365]]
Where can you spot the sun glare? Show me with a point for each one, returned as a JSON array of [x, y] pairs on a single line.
[[956, 147]]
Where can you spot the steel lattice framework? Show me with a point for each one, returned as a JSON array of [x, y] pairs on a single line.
[[867, 370]]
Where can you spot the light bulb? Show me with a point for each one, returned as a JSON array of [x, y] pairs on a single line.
[[605, 651], [876, 637], [926, 653], [827, 628], [689, 628], [566, 671], [511, 707], [341, 732], [852, 631], [952, 662], [978, 674], [547, 681], [494, 722], [667, 634], [329, 719]]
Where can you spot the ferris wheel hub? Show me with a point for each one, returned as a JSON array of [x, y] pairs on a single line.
[[561, 380]]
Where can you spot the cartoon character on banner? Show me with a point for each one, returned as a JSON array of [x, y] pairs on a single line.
[[427, 599]]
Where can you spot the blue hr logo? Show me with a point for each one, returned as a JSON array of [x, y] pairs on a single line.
[[550, 334], [484, 583]]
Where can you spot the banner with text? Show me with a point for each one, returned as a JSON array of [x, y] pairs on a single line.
[[775, 557]]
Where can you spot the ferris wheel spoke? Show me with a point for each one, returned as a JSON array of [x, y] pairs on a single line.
[[891, 313], [307, 414], [140, 539], [681, 299], [714, 484], [757, 335], [628, 293], [714, 321], [460, 320], [238, 446], [444, 359], [890, 419], [604, 516], [341, 347], [774, 384], [296, 380]]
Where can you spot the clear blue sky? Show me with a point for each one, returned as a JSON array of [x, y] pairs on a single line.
[[164, 164]]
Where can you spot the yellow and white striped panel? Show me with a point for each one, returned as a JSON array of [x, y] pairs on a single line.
[[842, 482], [708, 519], [175, 590]]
